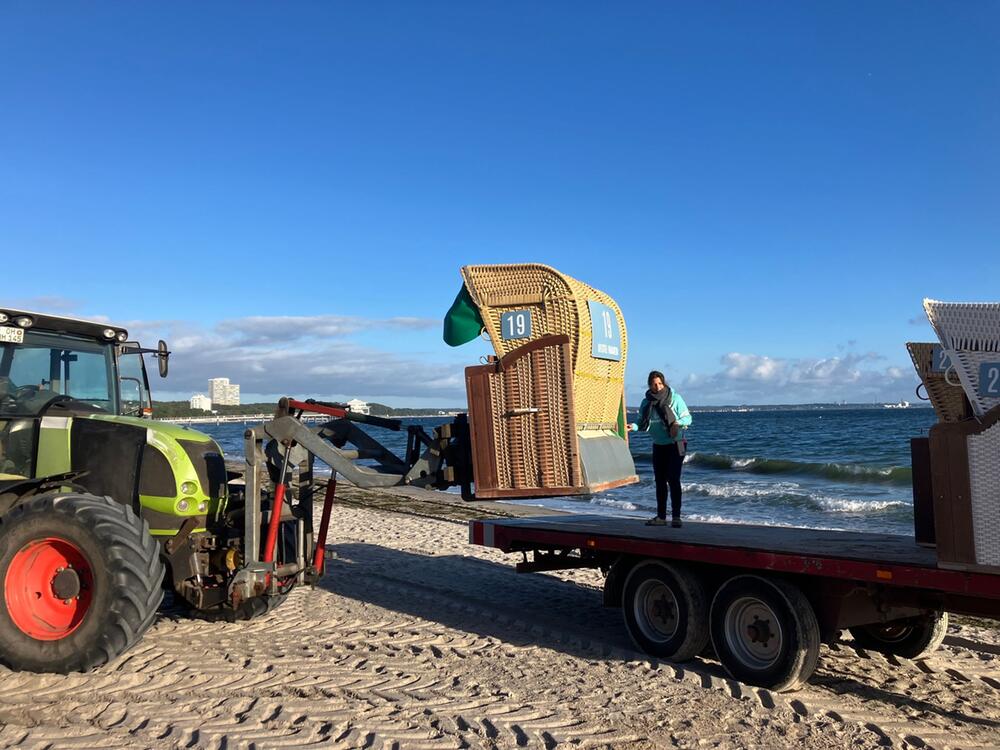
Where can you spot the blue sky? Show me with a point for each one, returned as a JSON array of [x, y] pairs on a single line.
[[289, 189]]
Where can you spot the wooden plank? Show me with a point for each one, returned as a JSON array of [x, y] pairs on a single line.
[[481, 426], [944, 530], [524, 493], [961, 498], [923, 494]]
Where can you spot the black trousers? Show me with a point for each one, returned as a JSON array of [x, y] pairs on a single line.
[[667, 464]]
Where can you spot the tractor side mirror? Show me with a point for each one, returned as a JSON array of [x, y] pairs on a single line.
[[162, 357]]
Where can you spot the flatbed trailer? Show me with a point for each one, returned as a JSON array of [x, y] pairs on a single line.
[[764, 597]]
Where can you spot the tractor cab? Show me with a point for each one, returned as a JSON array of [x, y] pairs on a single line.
[[52, 368]]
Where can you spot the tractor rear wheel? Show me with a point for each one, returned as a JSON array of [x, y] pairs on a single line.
[[81, 582]]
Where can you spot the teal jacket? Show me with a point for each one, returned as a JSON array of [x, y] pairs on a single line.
[[657, 430]]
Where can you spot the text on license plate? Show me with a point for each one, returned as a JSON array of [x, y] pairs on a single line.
[[9, 335]]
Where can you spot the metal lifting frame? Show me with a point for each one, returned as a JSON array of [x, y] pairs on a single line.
[[298, 446]]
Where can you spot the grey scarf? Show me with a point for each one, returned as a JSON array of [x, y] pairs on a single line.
[[661, 402]]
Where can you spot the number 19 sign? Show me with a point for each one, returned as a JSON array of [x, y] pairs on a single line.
[[606, 337], [515, 324]]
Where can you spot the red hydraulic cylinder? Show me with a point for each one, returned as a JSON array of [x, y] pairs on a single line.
[[324, 523], [275, 521]]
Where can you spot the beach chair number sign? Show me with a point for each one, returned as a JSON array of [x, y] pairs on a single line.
[[515, 324], [989, 379], [605, 335], [939, 359]]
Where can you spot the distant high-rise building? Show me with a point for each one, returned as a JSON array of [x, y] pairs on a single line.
[[358, 406], [201, 401], [223, 393]]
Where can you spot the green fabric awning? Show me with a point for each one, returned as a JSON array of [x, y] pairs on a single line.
[[463, 323]]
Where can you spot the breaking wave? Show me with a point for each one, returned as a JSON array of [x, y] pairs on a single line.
[[790, 495], [837, 472]]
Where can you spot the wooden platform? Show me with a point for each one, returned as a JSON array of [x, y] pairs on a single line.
[[890, 549]]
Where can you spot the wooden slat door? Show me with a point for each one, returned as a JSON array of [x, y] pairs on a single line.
[[521, 420]]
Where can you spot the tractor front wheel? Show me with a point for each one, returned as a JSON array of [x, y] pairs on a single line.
[[81, 582]]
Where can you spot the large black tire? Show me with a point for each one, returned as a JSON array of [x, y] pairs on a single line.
[[765, 632], [111, 582], [250, 609], [912, 638], [666, 610]]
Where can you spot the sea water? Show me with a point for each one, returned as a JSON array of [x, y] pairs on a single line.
[[821, 468]]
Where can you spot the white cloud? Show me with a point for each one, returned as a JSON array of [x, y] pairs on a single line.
[[301, 356], [757, 378], [751, 367]]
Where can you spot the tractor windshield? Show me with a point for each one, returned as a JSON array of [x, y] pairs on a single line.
[[46, 366]]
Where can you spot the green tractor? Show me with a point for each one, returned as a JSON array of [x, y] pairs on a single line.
[[101, 508]]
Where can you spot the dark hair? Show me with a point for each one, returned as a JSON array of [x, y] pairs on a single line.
[[653, 375]]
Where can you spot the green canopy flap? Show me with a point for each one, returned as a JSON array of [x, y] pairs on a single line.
[[463, 323]]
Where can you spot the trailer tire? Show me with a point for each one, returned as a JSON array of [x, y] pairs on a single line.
[[765, 632], [81, 582], [913, 638], [666, 610]]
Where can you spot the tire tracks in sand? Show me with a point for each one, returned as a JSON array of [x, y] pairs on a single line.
[[417, 640]]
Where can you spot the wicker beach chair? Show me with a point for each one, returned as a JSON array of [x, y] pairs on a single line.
[[966, 456], [970, 333], [547, 413], [948, 399]]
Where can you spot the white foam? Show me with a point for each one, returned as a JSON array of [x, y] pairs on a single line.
[[847, 505], [607, 502]]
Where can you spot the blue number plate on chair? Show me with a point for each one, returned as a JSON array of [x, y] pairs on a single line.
[[989, 379], [939, 359], [515, 324], [606, 337]]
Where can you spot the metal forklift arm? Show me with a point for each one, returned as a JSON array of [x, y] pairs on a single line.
[[288, 429]]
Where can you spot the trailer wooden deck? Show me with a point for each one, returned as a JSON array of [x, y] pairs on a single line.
[[885, 559], [849, 545]]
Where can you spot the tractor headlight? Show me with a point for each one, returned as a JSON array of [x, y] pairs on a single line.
[[3, 317], [183, 505], [109, 333], [188, 488], [24, 321], [122, 336], [203, 507]]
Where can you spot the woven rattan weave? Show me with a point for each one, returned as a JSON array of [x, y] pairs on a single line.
[[984, 476], [971, 334], [558, 305], [948, 399]]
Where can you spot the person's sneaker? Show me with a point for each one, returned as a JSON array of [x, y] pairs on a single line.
[[656, 521], [675, 522]]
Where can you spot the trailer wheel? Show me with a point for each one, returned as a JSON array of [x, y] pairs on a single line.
[[911, 638], [666, 610], [81, 582], [765, 632]]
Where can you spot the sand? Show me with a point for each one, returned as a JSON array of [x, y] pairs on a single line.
[[416, 639]]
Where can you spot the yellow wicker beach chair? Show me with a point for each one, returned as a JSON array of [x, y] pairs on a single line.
[[547, 412]]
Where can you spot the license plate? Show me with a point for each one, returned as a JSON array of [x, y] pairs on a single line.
[[9, 335]]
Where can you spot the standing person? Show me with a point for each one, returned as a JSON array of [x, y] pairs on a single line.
[[665, 416]]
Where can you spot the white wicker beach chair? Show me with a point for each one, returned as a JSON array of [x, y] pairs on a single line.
[[970, 333]]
